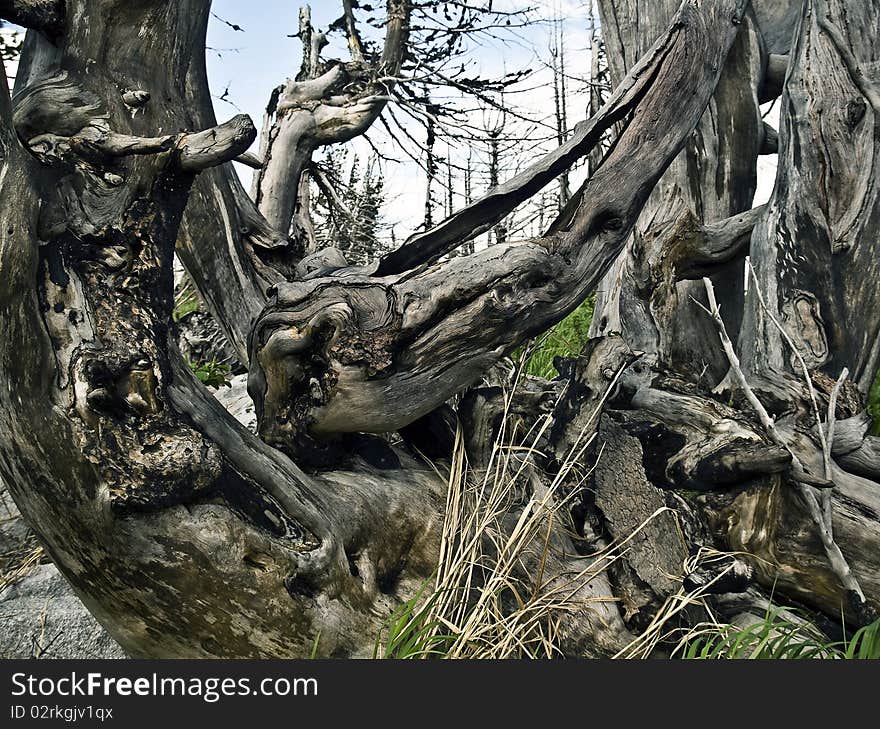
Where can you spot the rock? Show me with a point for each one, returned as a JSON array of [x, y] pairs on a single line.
[[40, 614], [236, 400], [43, 618]]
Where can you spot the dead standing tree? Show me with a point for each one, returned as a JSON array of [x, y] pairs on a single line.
[[188, 536], [699, 222]]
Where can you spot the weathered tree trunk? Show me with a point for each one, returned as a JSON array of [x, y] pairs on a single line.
[[644, 297], [182, 533], [188, 536], [812, 303], [815, 252], [375, 352]]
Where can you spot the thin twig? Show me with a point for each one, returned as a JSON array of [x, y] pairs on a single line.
[[823, 440], [829, 443], [836, 559]]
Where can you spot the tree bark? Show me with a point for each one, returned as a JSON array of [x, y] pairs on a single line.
[[644, 297]]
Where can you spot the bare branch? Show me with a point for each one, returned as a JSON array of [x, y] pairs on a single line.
[[701, 249], [808, 381], [355, 45], [828, 443], [250, 160], [767, 422], [485, 213], [396, 36], [96, 143], [319, 109], [212, 147], [195, 151], [836, 559], [363, 352], [329, 190]]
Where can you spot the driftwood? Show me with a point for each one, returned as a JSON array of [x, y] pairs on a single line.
[[186, 535]]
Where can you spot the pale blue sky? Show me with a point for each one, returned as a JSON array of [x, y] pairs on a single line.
[[253, 61]]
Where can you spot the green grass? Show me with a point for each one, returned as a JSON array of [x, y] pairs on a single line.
[[777, 637], [874, 405], [410, 632], [566, 339], [865, 644], [213, 373], [210, 372]]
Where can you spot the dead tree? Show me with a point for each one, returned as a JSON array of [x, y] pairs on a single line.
[[560, 99], [188, 536]]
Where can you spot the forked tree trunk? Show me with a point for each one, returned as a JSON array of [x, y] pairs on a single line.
[[815, 251], [647, 296], [188, 536]]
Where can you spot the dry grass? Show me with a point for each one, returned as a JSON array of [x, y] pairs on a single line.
[[492, 596], [16, 564], [664, 629], [20, 549]]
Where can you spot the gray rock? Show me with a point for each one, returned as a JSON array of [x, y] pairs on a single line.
[[236, 400], [43, 618], [40, 614]]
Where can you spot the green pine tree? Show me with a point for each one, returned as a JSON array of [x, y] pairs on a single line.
[[355, 227]]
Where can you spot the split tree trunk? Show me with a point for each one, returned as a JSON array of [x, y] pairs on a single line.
[[644, 297]]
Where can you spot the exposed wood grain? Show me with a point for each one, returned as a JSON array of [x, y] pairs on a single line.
[[361, 353], [815, 253], [181, 532], [187, 536]]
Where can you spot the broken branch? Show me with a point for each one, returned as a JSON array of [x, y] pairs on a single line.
[[201, 150]]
